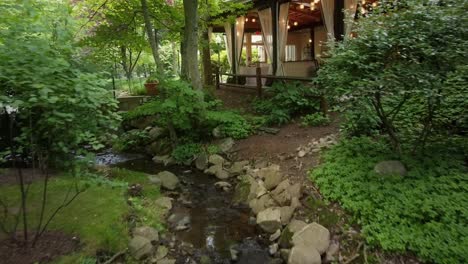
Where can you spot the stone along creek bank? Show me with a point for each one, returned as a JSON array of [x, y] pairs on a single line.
[[211, 222]]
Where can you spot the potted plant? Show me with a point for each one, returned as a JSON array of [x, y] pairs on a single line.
[[151, 85]]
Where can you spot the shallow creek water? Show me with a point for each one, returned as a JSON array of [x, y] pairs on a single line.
[[216, 225]]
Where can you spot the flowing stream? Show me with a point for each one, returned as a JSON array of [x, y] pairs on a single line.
[[217, 227]]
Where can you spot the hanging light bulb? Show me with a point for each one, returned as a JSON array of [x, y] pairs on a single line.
[[246, 19], [289, 26], [374, 4], [295, 23], [363, 2], [253, 20], [237, 22], [312, 6], [310, 40], [301, 6], [316, 1]]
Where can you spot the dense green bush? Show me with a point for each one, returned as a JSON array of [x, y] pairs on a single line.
[[191, 113], [131, 141], [406, 69], [317, 119], [186, 152], [424, 212], [286, 101]]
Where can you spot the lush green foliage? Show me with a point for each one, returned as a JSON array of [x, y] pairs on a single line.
[[424, 212], [191, 113], [132, 140], [316, 119], [231, 124], [59, 107], [407, 70], [186, 152], [287, 100]]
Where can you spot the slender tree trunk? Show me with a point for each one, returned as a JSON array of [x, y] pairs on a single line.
[[206, 58], [149, 31], [124, 63], [175, 59], [191, 43], [159, 66], [206, 55]]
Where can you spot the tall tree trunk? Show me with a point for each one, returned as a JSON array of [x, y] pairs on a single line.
[[206, 55], [159, 66], [149, 31], [191, 43], [123, 59]]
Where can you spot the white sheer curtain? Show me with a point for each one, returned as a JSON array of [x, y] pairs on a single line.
[[228, 41], [240, 21], [350, 12], [267, 33], [328, 10], [282, 37]]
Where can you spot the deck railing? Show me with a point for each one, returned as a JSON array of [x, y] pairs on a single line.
[[259, 85]]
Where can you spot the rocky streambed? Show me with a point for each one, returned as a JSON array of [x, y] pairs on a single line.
[[218, 211]]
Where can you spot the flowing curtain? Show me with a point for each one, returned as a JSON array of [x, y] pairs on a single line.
[[328, 10], [240, 21], [228, 41], [267, 34], [282, 37], [350, 12]]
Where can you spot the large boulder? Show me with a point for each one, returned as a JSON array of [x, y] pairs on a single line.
[[285, 192], [246, 190], [313, 236], [286, 214], [237, 168], [201, 162], [147, 232], [216, 159], [168, 180], [390, 167], [269, 220], [155, 133], [225, 145], [140, 247], [164, 203], [218, 171], [304, 255], [259, 204], [270, 175], [293, 227]]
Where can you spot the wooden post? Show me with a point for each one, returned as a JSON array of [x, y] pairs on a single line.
[[258, 72], [217, 78], [323, 105]]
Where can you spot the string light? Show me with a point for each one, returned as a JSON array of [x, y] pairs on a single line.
[[374, 4], [289, 26], [247, 19], [253, 20], [237, 22], [301, 6], [295, 23], [312, 6], [316, 1], [310, 40]]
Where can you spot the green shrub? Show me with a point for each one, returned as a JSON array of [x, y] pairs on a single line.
[[132, 140], [317, 119], [287, 100], [406, 71], [186, 152], [424, 211], [231, 124]]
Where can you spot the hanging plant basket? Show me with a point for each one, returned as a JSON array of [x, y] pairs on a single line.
[[152, 88]]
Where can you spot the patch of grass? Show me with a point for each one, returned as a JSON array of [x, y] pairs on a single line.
[[424, 212], [98, 216], [150, 190]]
